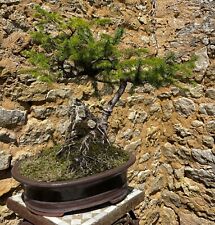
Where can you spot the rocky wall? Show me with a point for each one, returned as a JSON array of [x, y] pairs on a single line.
[[171, 130]]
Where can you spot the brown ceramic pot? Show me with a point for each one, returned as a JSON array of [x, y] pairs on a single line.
[[57, 198]]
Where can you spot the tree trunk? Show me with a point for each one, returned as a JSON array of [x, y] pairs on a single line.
[[107, 111]]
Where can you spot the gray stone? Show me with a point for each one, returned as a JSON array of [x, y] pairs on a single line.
[[184, 153], [171, 198], [133, 146], [208, 141], [4, 160], [144, 158], [205, 175], [41, 112], [52, 95], [187, 217], [138, 117], [205, 41], [207, 108], [132, 100], [202, 62], [197, 91], [80, 112], [7, 136], [156, 185], [146, 88], [127, 134], [142, 176], [37, 132], [165, 95], [132, 115], [203, 156], [169, 150], [63, 126], [197, 123], [9, 1], [62, 110], [184, 106], [167, 109], [175, 91], [141, 117], [135, 99], [181, 131], [155, 108], [210, 126], [91, 124], [179, 173], [12, 117], [167, 167], [210, 93], [36, 92], [21, 156]]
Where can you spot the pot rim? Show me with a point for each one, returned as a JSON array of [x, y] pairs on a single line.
[[93, 178]]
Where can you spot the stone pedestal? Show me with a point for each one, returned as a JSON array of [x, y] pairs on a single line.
[[103, 215]]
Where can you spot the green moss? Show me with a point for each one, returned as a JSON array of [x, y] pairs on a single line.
[[48, 167]]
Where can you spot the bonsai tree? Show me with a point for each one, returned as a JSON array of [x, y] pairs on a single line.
[[70, 49]]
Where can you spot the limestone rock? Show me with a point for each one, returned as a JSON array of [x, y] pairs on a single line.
[[210, 93], [128, 134], [4, 211], [210, 126], [37, 132], [138, 116], [184, 106], [4, 160], [133, 146], [186, 217], [142, 176], [157, 184], [52, 95], [16, 42], [197, 91], [7, 136], [202, 62], [205, 175], [9, 1], [144, 158], [203, 156], [91, 124], [207, 108], [167, 109], [21, 155], [41, 112], [181, 131], [208, 141], [6, 185], [168, 216], [171, 198], [169, 150], [12, 117], [36, 92], [197, 123]]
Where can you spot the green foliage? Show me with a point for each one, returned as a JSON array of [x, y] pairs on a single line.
[[68, 47]]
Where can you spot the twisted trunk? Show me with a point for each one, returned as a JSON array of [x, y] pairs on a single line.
[[87, 132], [107, 111]]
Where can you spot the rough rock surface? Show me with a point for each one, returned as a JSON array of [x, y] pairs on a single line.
[[171, 130]]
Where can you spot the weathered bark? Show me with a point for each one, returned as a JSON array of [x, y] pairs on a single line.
[[107, 111]]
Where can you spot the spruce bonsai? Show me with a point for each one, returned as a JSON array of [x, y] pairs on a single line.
[[70, 49]]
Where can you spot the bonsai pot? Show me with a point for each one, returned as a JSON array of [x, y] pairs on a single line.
[[57, 198]]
